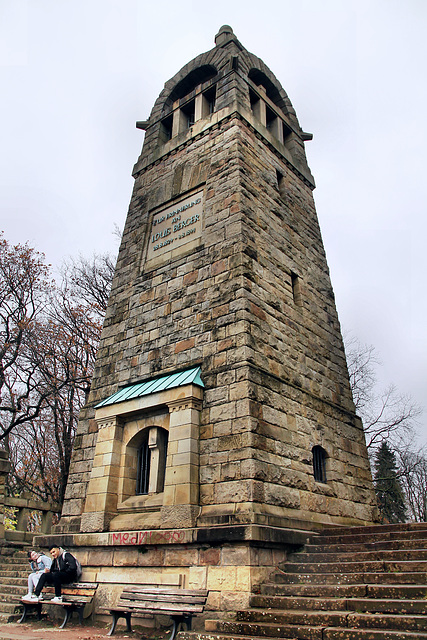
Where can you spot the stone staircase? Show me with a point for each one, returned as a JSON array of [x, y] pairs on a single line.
[[14, 570], [359, 583]]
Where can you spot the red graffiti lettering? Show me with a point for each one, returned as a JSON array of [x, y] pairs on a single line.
[[147, 537]]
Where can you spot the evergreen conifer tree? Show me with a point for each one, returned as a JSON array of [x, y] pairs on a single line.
[[388, 486]]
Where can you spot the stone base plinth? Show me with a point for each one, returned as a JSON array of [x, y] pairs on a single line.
[[231, 561]]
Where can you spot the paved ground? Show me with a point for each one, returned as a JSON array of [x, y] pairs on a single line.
[[46, 630]]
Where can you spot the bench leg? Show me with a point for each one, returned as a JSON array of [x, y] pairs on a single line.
[[68, 614], [177, 621], [24, 615], [80, 611], [174, 628], [116, 615], [28, 608]]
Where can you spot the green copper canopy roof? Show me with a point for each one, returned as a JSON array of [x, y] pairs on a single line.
[[190, 376]]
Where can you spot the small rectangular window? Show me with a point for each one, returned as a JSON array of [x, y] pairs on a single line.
[[189, 112], [271, 120], [255, 104], [210, 97], [166, 129], [287, 132]]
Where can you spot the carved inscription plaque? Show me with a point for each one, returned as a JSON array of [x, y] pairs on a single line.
[[175, 227]]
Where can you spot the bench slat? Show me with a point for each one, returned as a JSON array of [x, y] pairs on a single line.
[[164, 598], [77, 599], [161, 606], [77, 592], [163, 590]]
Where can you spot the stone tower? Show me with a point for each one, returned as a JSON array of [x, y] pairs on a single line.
[[220, 409]]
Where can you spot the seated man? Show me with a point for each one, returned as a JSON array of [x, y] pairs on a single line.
[[38, 563], [62, 571]]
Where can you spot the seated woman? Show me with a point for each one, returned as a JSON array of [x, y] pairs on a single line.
[[38, 563]]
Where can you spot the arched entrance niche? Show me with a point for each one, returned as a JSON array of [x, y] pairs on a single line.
[[146, 466]]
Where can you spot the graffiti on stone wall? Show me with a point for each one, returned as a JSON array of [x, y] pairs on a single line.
[[147, 537]]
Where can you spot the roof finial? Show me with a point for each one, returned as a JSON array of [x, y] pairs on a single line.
[[224, 35]]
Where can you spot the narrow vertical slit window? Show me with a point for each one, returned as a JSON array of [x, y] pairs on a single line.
[[319, 464], [296, 289], [281, 183]]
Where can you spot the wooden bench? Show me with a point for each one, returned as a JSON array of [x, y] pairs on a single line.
[[75, 597], [180, 604]]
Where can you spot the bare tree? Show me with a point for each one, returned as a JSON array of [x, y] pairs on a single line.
[[386, 415], [413, 470], [88, 282], [69, 336], [25, 291]]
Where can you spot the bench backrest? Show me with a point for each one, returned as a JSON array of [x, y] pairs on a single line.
[[163, 599]]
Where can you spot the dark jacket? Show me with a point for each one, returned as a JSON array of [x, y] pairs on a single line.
[[66, 563]]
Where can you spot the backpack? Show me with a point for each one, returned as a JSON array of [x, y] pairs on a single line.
[[78, 565]]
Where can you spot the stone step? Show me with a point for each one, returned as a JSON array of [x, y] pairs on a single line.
[[353, 567], [13, 553], [363, 556], [355, 538], [389, 621], [386, 545], [338, 618], [281, 603], [8, 560], [331, 567], [8, 593], [263, 630], [13, 581], [418, 607], [296, 617], [230, 631], [372, 529], [405, 592], [9, 607], [349, 578], [15, 573], [340, 633], [194, 635], [313, 591]]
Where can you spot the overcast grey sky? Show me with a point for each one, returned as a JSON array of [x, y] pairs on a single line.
[[77, 74]]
